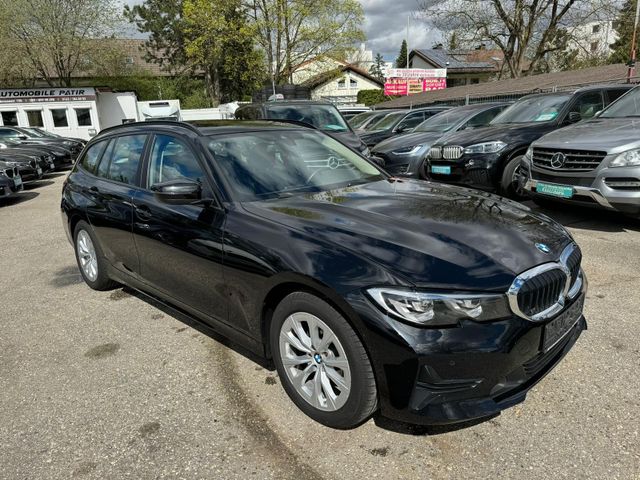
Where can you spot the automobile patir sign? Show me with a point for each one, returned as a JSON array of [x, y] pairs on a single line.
[[38, 95], [407, 81]]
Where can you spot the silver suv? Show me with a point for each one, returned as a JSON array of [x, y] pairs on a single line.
[[591, 163]]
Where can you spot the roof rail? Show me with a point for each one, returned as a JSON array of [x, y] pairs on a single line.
[[153, 122]]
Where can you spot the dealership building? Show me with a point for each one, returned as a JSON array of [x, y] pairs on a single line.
[[71, 112]]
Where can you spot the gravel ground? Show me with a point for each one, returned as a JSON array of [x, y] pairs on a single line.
[[109, 385]]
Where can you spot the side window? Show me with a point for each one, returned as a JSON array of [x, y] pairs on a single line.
[[10, 118], [83, 116], [483, 118], [615, 94], [35, 118], [59, 116], [121, 160], [172, 159], [588, 104], [410, 121], [91, 157]]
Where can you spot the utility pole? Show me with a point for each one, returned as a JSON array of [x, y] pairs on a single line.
[[408, 17], [632, 62]]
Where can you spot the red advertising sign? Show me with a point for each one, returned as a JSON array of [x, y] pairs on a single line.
[[395, 87], [414, 80]]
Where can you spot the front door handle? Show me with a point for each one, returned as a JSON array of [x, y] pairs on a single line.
[[143, 212]]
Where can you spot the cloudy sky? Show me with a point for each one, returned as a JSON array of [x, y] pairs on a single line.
[[386, 26]]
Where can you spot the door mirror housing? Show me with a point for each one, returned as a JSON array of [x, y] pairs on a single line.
[[23, 137], [574, 117], [182, 191]]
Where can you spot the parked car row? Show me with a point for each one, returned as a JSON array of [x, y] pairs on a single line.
[[28, 154], [565, 146]]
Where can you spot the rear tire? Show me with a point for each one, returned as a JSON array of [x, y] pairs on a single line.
[[91, 261], [510, 184], [321, 361]]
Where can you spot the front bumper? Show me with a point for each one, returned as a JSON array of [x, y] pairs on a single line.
[[480, 171], [606, 188], [454, 374], [402, 165]]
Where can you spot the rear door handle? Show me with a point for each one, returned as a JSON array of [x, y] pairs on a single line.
[[143, 212]]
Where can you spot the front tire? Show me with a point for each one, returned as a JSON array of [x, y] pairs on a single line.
[[91, 261], [322, 363], [511, 184]]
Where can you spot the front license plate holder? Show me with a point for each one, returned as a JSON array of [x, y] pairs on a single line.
[[556, 329], [17, 181], [554, 190], [441, 169]]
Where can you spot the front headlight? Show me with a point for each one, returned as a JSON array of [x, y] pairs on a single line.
[[67, 142], [408, 150], [487, 147], [630, 158], [529, 154], [438, 309]]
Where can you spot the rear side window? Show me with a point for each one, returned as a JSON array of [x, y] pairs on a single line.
[[91, 156], [121, 160]]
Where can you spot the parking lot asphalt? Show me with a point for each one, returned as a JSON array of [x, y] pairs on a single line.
[[110, 385]]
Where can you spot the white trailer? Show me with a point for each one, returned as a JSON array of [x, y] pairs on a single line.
[[79, 112]]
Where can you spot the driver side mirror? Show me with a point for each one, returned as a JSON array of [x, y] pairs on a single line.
[[177, 192], [574, 117]]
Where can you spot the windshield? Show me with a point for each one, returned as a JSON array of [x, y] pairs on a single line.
[[443, 122], [270, 164], [533, 109], [359, 119], [388, 121], [324, 117], [629, 106]]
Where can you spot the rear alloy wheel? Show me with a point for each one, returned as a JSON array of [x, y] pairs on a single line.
[[90, 260], [321, 362], [512, 184]]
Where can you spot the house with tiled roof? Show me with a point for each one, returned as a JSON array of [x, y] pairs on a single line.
[[334, 80], [464, 67]]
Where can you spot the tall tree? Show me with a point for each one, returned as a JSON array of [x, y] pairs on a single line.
[[162, 21], [401, 61], [219, 41], [624, 28], [57, 37], [290, 32], [377, 68], [526, 31]]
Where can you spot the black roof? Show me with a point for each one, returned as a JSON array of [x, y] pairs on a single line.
[[288, 102]]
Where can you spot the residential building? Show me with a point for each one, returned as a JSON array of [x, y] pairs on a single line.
[[593, 39], [341, 84], [464, 67]]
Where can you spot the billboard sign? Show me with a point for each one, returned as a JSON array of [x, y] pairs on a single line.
[[408, 81], [37, 95]]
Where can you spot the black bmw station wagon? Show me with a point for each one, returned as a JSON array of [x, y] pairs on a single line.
[[427, 303]]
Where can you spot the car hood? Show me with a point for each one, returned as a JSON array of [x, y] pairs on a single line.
[[513, 133], [608, 134], [431, 235], [406, 140], [35, 152]]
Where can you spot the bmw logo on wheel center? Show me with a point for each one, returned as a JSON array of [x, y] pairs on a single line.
[[543, 248]]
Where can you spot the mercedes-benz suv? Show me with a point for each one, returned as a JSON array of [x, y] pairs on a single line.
[[594, 163]]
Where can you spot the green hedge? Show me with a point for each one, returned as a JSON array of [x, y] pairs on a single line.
[[373, 97]]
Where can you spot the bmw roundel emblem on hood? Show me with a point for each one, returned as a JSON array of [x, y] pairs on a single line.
[[543, 248]]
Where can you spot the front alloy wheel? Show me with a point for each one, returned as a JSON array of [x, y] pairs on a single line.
[[315, 361], [321, 362]]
